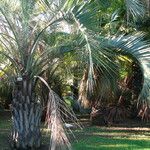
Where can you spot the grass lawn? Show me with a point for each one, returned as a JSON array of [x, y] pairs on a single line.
[[93, 138], [104, 138]]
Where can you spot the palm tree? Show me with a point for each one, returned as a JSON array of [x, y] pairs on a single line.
[[22, 28], [20, 38]]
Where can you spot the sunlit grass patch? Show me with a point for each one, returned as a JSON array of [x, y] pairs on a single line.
[[101, 143], [96, 138]]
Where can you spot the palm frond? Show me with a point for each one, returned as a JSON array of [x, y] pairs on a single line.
[[55, 108], [12, 60], [10, 23], [136, 8], [136, 48]]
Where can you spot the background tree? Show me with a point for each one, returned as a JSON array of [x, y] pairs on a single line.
[[117, 18]]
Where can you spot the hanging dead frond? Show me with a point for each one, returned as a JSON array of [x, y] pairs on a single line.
[[59, 139], [56, 118]]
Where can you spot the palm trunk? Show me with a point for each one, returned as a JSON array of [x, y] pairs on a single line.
[[26, 116]]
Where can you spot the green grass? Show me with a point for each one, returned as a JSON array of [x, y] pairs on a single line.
[[93, 138], [96, 138], [5, 128]]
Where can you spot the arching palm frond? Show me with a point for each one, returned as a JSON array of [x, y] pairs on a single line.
[[135, 8], [136, 48]]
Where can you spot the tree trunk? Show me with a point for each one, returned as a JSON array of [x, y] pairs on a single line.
[[26, 117]]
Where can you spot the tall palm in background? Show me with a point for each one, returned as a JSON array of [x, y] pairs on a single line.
[[24, 46]]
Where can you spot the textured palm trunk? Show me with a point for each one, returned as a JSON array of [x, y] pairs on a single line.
[[26, 116]]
